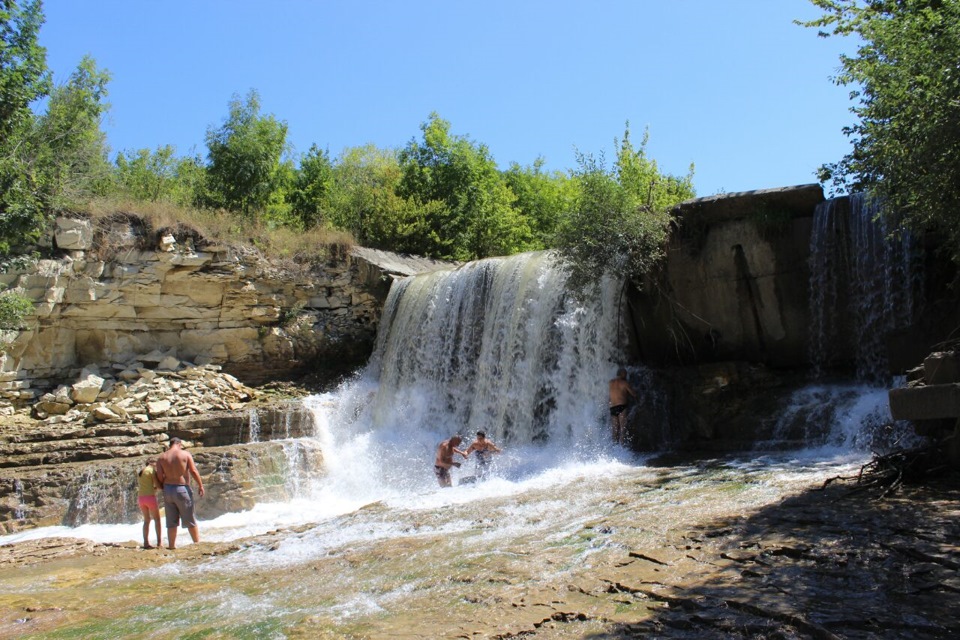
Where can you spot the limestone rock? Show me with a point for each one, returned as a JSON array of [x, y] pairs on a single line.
[[158, 408], [86, 391], [73, 234]]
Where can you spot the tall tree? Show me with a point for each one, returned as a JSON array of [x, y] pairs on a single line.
[[24, 78], [311, 186], [619, 224], [71, 147], [477, 217], [245, 155], [543, 198], [905, 81]]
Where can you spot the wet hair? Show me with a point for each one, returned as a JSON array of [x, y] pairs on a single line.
[[621, 372], [481, 434], [175, 440]]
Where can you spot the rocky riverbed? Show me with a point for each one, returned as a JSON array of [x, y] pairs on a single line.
[[710, 549]]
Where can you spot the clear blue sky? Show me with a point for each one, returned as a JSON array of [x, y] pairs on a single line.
[[734, 87]]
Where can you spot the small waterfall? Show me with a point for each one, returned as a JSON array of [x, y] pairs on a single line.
[[20, 511], [845, 417], [864, 279], [101, 496], [253, 426]]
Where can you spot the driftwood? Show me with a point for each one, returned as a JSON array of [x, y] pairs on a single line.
[[888, 472]]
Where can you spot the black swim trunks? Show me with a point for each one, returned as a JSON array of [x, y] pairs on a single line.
[[617, 409], [443, 474]]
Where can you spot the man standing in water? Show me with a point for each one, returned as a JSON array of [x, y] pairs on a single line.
[[175, 467], [484, 449], [620, 394], [445, 451]]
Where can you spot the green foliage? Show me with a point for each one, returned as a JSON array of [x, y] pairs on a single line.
[[24, 78], [619, 223], [244, 156], [147, 175], [313, 182], [14, 308], [363, 179], [905, 80], [543, 198], [477, 215], [70, 150]]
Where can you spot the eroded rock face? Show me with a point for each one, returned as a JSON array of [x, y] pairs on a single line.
[[735, 282], [231, 307]]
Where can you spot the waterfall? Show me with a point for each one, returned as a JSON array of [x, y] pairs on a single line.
[[496, 345], [253, 426], [20, 511], [864, 276]]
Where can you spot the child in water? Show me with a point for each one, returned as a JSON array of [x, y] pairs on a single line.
[[484, 449]]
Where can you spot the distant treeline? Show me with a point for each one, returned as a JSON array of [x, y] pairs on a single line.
[[442, 195]]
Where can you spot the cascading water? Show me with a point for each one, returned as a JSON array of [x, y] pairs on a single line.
[[498, 346], [864, 282]]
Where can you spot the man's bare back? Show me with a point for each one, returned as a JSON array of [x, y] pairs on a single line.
[[175, 466], [620, 392]]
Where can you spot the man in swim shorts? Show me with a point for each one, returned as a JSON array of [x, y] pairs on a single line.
[[444, 460], [175, 467], [484, 449], [620, 394]]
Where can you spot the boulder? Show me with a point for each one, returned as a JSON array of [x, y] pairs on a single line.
[[86, 390], [73, 234]]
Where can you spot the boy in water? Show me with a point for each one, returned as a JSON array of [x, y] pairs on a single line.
[[484, 449]]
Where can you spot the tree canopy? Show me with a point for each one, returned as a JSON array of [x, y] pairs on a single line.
[[244, 156], [905, 81], [619, 222]]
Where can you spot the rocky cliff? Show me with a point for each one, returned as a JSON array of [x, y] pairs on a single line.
[[109, 298]]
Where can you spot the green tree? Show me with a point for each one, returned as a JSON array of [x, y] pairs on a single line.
[[244, 156], [147, 175], [542, 198], [363, 177], [311, 186], [70, 149], [24, 78], [620, 222], [905, 81], [477, 218], [363, 200]]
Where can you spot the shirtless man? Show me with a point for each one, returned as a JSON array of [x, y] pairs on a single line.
[[175, 467], [484, 448], [441, 466], [620, 394]]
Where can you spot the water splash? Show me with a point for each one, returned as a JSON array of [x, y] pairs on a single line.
[[843, 418]]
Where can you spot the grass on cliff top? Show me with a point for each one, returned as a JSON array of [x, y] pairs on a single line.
[[218, 227]]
